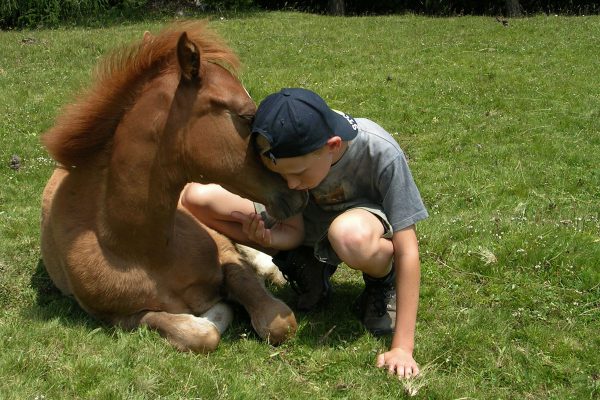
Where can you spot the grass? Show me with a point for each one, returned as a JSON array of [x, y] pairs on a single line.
[[502, 128]]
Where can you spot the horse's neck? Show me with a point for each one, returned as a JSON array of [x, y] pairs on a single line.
[[140, 200]]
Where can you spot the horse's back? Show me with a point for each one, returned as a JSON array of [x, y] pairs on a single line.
[[68, 227], [50, 245]]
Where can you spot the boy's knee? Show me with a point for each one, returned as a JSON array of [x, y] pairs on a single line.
[[356, 239], [345, 234], [351, 240]]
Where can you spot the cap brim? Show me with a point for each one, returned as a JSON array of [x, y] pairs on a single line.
[[345, 126]]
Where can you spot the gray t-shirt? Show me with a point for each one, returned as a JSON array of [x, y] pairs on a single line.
[[372, 172]]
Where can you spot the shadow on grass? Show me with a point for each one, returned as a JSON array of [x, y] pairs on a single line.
[[51, 304], [331, 325]]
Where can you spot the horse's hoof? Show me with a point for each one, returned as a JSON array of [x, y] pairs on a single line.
[[204, 338], [277, 324], [185, 331], [282, 330]]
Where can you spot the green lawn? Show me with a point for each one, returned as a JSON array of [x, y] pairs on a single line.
[[502, 128]]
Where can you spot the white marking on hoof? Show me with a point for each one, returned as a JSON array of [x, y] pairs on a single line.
[[220, 315], [262, 264]]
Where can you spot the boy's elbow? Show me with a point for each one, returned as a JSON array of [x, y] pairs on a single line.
[[296, 241], [289, 240]]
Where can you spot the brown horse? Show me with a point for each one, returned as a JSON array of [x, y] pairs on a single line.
[[163, 112]]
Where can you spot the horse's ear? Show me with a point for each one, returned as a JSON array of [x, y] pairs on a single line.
[[188, 57], [147, 37]]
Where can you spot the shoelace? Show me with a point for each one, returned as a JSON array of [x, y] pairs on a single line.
[[293, 283], [292, 275], [380, 296], [293, 271]]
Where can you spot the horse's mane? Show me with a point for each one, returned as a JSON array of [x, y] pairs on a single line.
[[86, 126]]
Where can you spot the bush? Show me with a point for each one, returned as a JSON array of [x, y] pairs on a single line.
[[34, 13], [443, 7], [222, 5]]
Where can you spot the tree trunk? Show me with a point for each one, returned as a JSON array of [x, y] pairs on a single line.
[[336, 7], [513, 8]]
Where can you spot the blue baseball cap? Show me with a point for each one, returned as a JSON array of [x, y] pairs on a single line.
[[297, 121]]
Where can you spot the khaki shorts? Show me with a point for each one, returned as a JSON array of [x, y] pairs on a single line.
[[316, 227]]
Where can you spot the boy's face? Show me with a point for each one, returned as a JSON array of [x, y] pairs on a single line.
[[304, 172]]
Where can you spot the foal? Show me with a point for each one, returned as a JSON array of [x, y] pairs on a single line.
[[163, 112]]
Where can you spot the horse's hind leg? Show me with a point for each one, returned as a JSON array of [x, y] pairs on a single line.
[[187, 332], [271, 318], [262, 264]]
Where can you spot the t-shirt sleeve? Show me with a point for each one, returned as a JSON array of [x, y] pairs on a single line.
[[402, 201]]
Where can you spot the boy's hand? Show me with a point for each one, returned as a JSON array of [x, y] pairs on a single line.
[[398, 362], [254, 227]]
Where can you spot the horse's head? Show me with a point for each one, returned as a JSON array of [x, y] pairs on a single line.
[[213, 113], [169, 106]]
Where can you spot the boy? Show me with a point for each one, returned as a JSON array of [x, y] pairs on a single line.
[[362, 209]]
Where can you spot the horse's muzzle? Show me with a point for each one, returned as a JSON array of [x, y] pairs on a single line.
[[285, 206]]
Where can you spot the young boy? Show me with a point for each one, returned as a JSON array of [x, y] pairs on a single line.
[[362, 209]]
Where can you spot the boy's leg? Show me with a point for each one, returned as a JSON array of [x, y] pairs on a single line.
[[212, 205], [360, 238]]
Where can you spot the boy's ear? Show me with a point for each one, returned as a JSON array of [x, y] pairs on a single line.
[[334, 142]]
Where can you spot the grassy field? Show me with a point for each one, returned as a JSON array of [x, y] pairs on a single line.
[[502, 128]]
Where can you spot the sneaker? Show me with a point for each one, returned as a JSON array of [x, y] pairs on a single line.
[[308, 276], [376, 305]]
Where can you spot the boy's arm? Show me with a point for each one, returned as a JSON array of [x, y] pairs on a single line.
[[399, 359], [284, 235]]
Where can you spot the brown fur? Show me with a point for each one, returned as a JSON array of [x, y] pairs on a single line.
[[161, 113]]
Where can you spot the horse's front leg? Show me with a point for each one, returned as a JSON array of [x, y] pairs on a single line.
[[186, 332], [271, 318]]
